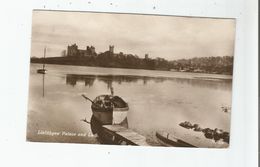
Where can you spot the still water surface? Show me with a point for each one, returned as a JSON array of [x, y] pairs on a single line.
[[158, 100]]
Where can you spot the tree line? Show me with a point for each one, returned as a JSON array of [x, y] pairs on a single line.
[[218, 65]]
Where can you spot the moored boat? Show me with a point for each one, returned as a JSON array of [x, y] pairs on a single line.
[[109, 109], [168, 139], [42, 71]]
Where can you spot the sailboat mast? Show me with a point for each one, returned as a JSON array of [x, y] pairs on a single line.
[[43, 65]]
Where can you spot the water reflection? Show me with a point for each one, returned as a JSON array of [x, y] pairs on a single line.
[[165, 99], [72, 79], [43, 76]]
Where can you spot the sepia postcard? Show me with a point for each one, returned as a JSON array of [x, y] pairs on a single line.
[[130, 79]]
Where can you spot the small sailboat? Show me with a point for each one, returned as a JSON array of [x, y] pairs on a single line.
[[43, 70]]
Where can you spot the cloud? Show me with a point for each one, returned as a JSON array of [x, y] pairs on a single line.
[[160, 36]]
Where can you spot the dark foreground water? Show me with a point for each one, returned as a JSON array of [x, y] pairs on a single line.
[[158, 100]]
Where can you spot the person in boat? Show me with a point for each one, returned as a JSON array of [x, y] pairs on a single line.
[[107, 102], [104, 102]]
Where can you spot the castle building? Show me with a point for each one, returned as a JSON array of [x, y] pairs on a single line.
[[146, 56], [91, 50], [111, 48], [73, 50]]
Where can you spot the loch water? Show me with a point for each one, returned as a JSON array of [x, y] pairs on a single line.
[[158, 101]]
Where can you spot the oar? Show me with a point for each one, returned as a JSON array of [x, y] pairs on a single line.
[[90, 100], [87, 98], [85, 120]]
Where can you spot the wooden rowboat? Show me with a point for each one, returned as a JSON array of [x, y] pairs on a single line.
[[108, 109], [170, 140]]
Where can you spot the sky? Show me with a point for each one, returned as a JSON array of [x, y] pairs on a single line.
[[168, 37]]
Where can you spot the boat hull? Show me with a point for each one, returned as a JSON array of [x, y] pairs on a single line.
[[106, 118], [109, 109], [110, 117], [42, 71], [170, 140]]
